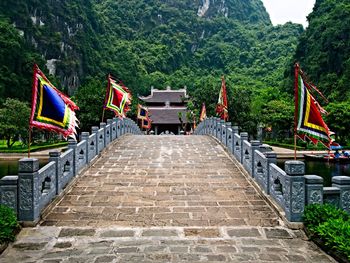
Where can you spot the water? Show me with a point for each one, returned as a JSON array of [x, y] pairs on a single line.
[[326, 170], [10, 167]]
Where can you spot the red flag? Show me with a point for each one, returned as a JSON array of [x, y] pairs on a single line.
[[309, 123], [51, 109], [203, 115], [118, 98], [222, 106]]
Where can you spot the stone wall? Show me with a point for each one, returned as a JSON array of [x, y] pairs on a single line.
[[290, 188], [33, 189]]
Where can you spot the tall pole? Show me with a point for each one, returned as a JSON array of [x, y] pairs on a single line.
[[29, 140], [106, 97], [296, 102]]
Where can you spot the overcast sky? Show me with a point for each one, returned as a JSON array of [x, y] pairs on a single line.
[[282, 11]]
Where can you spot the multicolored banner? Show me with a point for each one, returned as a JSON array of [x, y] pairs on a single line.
[[146, 123], [118, 98], [51, 109], [309, 122], [222, 106], [142, 112]]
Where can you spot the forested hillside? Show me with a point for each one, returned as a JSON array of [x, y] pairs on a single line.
[[146, 43], [178, 43], [324, 54]]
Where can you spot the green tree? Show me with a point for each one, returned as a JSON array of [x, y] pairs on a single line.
[[14, 119], [90, 99], [338, 120], [278, 114]]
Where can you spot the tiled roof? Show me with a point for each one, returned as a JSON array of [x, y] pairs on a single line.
[[158, 96], [166, 115]]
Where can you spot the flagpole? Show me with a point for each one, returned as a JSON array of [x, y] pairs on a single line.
[[106, 96], [296, 79], [103, 114], [29, 140]]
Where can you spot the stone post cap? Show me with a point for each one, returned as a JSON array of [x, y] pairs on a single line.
[[341, 180], [103, 124], [255, 143], [54, 154], [109, 121], [222, 121], [331, 190], [9, 180], [244, 134], [313, 179], [72, 142], [270, 155], [228, 124], [94, 129], [294, 167], [83, 134], [28, 165]]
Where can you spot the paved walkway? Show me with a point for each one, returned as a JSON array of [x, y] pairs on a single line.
[[162, 199]]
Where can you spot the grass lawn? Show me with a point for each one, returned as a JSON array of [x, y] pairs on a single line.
[[18, 147]]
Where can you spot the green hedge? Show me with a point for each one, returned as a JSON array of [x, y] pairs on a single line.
[[8, 224], [330, 226], [34, 148]]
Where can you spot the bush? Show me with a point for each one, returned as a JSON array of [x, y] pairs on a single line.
[[8, 224], [315, 215], [330, 226], [335, 234]]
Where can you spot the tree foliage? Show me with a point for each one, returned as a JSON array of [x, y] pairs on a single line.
[[159, 43], [14, 119]]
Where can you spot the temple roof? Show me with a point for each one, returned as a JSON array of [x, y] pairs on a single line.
[[162, 96], [166, 115]]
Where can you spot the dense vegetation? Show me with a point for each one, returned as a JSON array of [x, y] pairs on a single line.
[[330, 227], [177, 43], [9, 225]]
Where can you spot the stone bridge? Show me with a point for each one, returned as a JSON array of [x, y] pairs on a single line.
[[149, 199]]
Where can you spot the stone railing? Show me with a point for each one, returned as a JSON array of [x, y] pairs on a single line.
[[29, 192], [290, 188]]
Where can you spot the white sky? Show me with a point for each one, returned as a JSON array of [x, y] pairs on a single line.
[[282, 11]]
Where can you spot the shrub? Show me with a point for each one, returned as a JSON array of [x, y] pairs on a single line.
[[315, 215], [8, 224], [335, 234], [330, 227]]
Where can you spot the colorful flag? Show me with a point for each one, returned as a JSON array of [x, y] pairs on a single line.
[[309, 123], [222, 106], [146, 123], [142, 112], [51, 109], [118, 98], [203, 115]]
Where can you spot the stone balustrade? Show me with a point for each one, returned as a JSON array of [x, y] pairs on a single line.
[[29, 192], [290, 188]]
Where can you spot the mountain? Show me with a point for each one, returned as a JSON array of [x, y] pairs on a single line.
[[324, 48], [144, 43]]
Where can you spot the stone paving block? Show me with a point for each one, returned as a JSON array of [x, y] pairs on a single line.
[[197, 232], [159, 233], [29, 246], [102, 259], [69, 232], [277, 233], [117, 233], [244, 232], [270, 257]]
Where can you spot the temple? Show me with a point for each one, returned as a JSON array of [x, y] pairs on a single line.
[[164, 107]]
